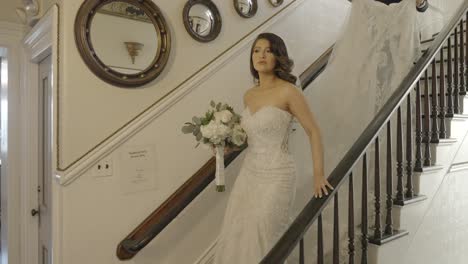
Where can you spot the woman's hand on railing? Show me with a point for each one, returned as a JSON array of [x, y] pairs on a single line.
[[320, 186]]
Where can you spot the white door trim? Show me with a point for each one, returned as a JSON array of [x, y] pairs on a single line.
[[10, 40], [40, 42]]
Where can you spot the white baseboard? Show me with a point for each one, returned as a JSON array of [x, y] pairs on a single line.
[[459, 166], [208, 256]]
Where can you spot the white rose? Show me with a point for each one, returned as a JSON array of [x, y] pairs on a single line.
[[208, 130], [223, 116], [215, 132]]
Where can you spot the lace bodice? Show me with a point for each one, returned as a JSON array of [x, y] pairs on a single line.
[[259, 206], [267, 129]]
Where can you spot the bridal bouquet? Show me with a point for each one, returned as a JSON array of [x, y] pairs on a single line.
[[218, 128]]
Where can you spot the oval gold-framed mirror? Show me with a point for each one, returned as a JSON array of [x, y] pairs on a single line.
[[124, 42], [276, 3], [246, 8], [202, 20]]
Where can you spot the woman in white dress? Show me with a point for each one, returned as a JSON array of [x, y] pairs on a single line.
[[259, 207]]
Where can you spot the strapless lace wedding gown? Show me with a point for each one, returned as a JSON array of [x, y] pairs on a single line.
[[259, 207]]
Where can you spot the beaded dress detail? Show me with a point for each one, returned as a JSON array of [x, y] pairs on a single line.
[[259, 207]]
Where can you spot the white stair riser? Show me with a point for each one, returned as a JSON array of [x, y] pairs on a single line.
[[441, 153]]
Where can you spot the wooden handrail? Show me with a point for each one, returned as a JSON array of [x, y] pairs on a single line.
[[186, 193], [312, 210]]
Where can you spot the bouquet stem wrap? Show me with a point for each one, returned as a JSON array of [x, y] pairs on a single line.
[[219, 176]]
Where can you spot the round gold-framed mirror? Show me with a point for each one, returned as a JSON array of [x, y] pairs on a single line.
[[276, 3], [202, 20], [246, 8], [124, 42]]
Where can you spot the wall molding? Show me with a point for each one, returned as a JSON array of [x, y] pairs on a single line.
[[12, 29], [68, 175]]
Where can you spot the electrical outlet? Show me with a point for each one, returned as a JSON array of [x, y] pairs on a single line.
[[104, 167]]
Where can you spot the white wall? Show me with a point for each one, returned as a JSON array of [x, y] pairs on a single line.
[[7, 12], [100, 211], [109, 108]]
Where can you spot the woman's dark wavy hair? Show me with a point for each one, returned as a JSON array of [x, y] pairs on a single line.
[[284, 64]]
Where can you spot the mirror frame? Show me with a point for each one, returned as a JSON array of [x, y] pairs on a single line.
[[280, 2], [83, 42], [217, 17], [251, 14]]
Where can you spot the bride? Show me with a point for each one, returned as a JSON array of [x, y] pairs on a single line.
[[259, 207]]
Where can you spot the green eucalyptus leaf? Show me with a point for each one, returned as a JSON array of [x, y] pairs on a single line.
[[196, 120], [187, 129], [199, 136]]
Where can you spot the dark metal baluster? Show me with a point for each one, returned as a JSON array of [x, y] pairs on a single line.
[[351, 247], [399, 196], [418, 157], [456, 77], [388, 220], [320, 241], [378, 225], [465, 61], [364, 238], [449, 80], [435, 108], [443, 130], [427, 124], [301, 251], [462, 60], [409, 150], [336, 232]]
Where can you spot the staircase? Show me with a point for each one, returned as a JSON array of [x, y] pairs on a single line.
[[429, 122]]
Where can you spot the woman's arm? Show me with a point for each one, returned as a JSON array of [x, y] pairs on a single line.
[[299, 108]]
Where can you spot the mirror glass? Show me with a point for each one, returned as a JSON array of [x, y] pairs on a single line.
[[276, 2], [201, 20], [246, 8], [123, 37]]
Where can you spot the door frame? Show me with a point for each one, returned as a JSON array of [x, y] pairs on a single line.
[[11, 35], [40, 42]]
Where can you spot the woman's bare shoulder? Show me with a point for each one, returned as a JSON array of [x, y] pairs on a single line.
[[288, 88]]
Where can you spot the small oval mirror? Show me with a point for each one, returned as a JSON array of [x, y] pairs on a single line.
[[246, 8], [276, 3], [202, 20]]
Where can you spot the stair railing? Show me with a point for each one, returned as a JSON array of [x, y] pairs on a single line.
[[437, 97]]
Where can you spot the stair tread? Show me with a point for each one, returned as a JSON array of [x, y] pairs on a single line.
[[388, 238], [415, 199], [460, 116], [431, 168], [447, 140]]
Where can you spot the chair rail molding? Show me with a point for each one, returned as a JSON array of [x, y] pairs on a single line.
[[68, 175], [40, 42]]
